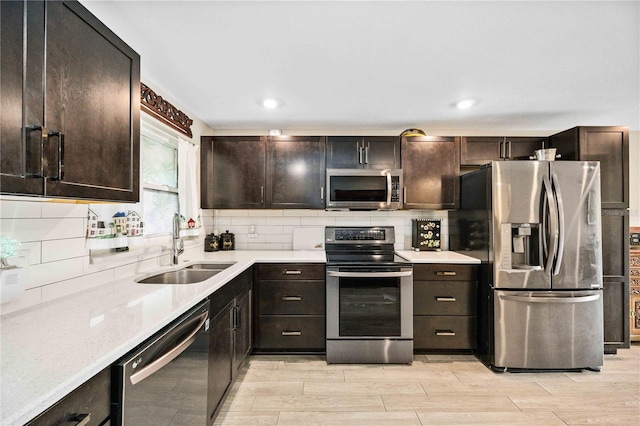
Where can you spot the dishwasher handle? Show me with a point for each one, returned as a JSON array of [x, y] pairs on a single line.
[[166, 358]]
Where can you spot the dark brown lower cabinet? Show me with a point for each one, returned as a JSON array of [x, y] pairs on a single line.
[[229, 338], [289, 308], [90, 402], [444, 307]]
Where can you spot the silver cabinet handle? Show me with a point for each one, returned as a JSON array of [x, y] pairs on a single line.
[[360, 155], [60, 172], [500, 150], [322, 194], [291, 333], [445, 299], [169, 356], [444, 332], [291, 298], [446, 273], [36, 152], [369, 274], [292, 271], [262, 195], [366, 155]]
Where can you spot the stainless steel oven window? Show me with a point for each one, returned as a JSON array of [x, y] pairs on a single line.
[[363, 305]]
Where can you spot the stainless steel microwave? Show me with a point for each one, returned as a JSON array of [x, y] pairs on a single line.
[[364, 189]]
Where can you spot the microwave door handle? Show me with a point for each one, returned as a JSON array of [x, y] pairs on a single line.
[[388, 188]]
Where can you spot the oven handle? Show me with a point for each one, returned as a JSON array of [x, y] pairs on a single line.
[[369, 274]]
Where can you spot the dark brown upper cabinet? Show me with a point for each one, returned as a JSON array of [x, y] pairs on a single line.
[[607, 144], [431, 165], [257, 172], [233, 172], [368, 152], [295, 172], [479, 150], [70, 105]]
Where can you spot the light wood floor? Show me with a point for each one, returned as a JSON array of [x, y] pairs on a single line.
[[434, 390]]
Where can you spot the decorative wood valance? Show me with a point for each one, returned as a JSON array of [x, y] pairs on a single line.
[[152, 103]]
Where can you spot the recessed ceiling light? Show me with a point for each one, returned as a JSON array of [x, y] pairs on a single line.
[[465, 103], [270, 103]]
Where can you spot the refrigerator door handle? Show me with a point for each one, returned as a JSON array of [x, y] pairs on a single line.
[[553, 218], [550, 299], [561, 228]]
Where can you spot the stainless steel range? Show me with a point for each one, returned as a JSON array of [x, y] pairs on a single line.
[[369, 297]]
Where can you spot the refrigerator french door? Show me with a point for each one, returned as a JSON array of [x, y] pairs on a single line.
[[544, 264]]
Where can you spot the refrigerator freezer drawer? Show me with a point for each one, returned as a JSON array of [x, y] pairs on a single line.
[[548, 330]]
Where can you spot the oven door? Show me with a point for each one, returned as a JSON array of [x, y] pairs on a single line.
[[369, 303]]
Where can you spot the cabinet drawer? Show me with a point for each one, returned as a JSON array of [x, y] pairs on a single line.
[[292, 332], [291, 297], [444, 332], [291, 271], [444, 298], [92, 397], [444, 272]]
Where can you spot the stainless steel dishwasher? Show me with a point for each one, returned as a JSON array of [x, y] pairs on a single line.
[[164, 380]]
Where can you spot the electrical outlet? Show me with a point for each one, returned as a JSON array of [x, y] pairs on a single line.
[[253, 235]]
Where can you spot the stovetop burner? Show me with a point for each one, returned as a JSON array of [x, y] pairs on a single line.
[[362, 246]]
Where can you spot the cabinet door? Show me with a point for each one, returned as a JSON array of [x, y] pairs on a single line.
[[90, 402], [610, 146], [21, 149], [242, 342], [344, 152], [521, 148], [431, 167], [479, 150], [381, 152], [233, 173], [93, 100], [220, 358], [295, 172]]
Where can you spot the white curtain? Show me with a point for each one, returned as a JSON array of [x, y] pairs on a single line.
[[189, 195]]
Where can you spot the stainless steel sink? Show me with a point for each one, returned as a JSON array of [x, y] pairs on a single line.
[[210, 266], [181, 276]]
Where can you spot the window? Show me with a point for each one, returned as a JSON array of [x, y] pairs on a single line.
[[159, 152]]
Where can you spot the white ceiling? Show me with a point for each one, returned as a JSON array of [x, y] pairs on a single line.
[[386, 66]]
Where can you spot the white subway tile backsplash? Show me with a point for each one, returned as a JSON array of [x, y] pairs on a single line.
[[31, 251], [250, 220], [63, 249], [47, 273], [272, 230], [11, 209], [286, 220], [26, 230], [50, 210], [62, 289]]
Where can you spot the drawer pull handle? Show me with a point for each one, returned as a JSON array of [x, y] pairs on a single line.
[[291, 333], [445, 299], [291, 298], [444, 333], [446, 273], [292, 271]]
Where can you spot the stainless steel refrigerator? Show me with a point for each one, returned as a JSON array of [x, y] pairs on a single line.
[[536, 227]]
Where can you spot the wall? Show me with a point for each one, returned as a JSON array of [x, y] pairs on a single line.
[[274, 228]]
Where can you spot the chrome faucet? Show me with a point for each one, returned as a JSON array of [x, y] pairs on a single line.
[[177, 246]]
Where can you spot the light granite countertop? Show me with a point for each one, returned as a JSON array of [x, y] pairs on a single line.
[[50, 349]]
